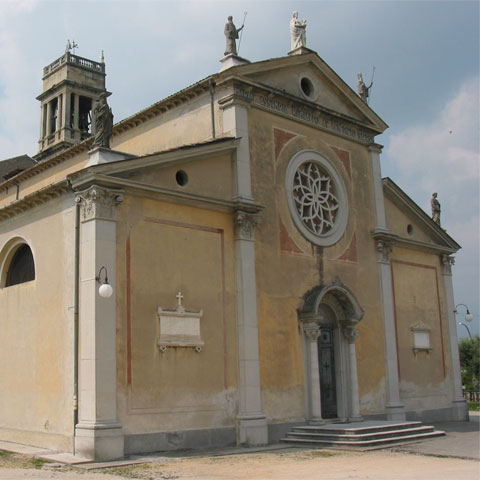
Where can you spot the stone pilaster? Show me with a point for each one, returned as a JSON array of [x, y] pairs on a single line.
[[380, 218], [235, 123], [251, 422], [459, 405], [395, 409], [350, 332], [98, 434], [312, 332]]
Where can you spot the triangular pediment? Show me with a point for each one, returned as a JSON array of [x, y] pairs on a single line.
[[206, 168], [408, 223], [309, 79]]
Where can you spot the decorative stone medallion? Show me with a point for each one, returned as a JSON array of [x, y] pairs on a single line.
[[316, 198]]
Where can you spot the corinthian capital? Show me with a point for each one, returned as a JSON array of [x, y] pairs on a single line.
[[244, 225], [383, 250], [349, 332], [98, 203], [312, 331], [447, 262]]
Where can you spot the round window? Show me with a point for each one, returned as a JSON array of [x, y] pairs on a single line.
[[317, 198], [181, 177], [307, 86]]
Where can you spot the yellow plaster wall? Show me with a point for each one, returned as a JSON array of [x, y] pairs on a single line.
[[209, 177], [398, 222], [420, 299], [36, 389], [283, 278], [166, 248], [186, 124]]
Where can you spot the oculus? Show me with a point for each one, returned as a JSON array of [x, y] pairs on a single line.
[[316, 198]]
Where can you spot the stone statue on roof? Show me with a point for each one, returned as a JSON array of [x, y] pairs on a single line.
[[363, 90], [298, 35], [231, 35], [103, 122], [435, 208]]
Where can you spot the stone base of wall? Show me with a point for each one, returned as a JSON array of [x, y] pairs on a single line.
[[48, 441], [180, 440], [276, 431], [448, 414]]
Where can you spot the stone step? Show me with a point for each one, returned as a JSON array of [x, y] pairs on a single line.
[[348, 437], [364, 442], [357, 428]]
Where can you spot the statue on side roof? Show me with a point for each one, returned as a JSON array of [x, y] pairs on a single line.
[[298, 35], [103, 122], [231, 35], [435, 208]]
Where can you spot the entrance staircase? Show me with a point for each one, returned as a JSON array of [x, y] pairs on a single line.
[[368, 434]]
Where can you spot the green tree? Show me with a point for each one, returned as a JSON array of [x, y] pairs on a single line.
[[470, 360]]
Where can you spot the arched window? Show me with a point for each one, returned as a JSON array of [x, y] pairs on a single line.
[[21, 268]]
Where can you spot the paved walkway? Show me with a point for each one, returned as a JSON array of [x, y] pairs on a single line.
[[462, 440]]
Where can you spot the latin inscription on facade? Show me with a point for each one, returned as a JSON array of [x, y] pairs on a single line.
[[304, 113]]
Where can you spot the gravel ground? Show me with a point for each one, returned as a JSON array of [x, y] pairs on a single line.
[[278, 465]]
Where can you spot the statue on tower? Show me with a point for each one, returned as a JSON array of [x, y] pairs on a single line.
[[435, 208], [231, 35], [103, 122], [298, 35]]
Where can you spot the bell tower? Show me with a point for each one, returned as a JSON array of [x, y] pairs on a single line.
[[71, 86]]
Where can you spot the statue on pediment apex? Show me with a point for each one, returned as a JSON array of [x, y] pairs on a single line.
[[231, 36], [298, 35]]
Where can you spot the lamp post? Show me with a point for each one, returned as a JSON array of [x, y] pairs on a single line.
[[468, 330], [105, 290], [468, 315]]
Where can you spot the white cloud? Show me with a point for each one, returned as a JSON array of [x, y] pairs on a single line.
[[443, 155]]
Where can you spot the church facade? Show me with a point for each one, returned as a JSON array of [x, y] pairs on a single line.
[[262, 273]]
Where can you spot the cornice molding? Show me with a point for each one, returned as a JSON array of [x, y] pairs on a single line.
[[160, 193], [401, 200], [33, 200], [395, 240]]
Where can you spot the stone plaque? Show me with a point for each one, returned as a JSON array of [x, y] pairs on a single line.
[[179, 327]]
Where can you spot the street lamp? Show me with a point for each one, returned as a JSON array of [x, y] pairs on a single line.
[[105, 290], [468, 330], [468, 315]]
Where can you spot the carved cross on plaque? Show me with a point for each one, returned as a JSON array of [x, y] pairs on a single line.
[[179, 299]]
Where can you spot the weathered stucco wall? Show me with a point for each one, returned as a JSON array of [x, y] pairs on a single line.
[[36, 382], [163, 249], [420, 300], [288, 265], [185, 124]]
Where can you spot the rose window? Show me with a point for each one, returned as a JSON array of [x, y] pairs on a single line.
[[315, 200]]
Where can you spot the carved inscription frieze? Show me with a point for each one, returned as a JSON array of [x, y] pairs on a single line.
[[309, 115]]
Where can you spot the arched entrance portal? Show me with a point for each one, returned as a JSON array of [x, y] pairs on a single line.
[[328, 320]]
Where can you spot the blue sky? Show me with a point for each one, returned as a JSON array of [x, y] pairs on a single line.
[[426, 85]]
